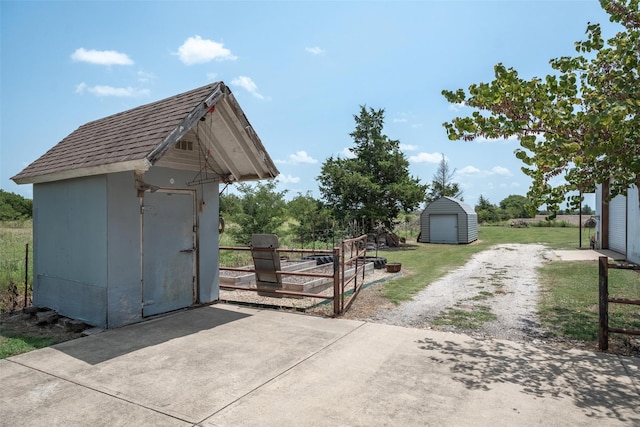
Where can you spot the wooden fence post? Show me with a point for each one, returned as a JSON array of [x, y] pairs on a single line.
[[603, 298]]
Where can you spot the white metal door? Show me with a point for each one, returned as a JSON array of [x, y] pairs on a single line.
[[169, 251], [618, 224], [443, 228]]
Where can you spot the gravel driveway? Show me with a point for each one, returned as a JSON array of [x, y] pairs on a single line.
[[500, 282]]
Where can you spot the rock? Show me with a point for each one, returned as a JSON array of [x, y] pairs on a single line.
[[92, 331], [31, 310], [72, 325], [44, 317]]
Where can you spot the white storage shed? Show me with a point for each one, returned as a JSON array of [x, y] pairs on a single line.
[[448, 220]]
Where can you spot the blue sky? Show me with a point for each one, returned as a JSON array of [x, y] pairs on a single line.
[[299, 69]]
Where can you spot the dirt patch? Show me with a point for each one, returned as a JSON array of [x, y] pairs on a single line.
[[20, 324]]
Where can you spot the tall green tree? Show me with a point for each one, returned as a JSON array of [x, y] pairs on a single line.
[[262, 211], [230, 205], [374, 186], [486, 211], [442, 184], [14, 206], [580, 123], [311, 216], [516, 206]]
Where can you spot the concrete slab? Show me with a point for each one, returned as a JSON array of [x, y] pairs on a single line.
[[227, 365], [29, 397], [586, 255]]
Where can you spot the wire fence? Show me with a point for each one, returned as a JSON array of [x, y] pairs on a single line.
[[16, 277]]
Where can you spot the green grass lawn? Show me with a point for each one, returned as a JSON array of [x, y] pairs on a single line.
[[429, 262], [11, 346], [569, 299], [568, 305]]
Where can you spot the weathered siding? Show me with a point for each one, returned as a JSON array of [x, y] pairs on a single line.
[[87, 245], [123, 250], [208, 214], [70, 248]]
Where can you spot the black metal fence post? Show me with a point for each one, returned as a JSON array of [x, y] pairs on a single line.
[[26, 275]]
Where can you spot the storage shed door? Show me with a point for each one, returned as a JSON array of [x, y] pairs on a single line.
[[169, 251], [443, 228], [618, 224]]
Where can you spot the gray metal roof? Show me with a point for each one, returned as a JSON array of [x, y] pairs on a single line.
[[450, 201], [200, 130]]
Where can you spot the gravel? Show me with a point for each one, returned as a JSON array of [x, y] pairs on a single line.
[[503, 278]]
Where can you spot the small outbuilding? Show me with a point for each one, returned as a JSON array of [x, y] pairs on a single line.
[[618, 222], [448, 220], [125, 208]]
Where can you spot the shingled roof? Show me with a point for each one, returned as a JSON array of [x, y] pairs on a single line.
[[220, 141]]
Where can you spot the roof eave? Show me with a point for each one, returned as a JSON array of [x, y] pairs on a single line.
[[187, 123], [131, 165]]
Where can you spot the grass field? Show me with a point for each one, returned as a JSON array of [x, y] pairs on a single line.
[[568, 305], [14, 238], [569, 300]]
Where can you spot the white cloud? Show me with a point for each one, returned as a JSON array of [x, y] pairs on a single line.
[[145, 77], [408, 147], [456, 107], [288, 179], [212, 76], [426, 158], [499, 170], [408, 118], [101, 57], [247, 84], [316, 50], [297, 158], [196, 50], [347, 154], [474, 171], [102, 90], [469, 170], [301, 157], [509, 184]]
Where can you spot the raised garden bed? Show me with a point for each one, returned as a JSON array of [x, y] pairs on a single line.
[[291, 283], [238, 278]]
